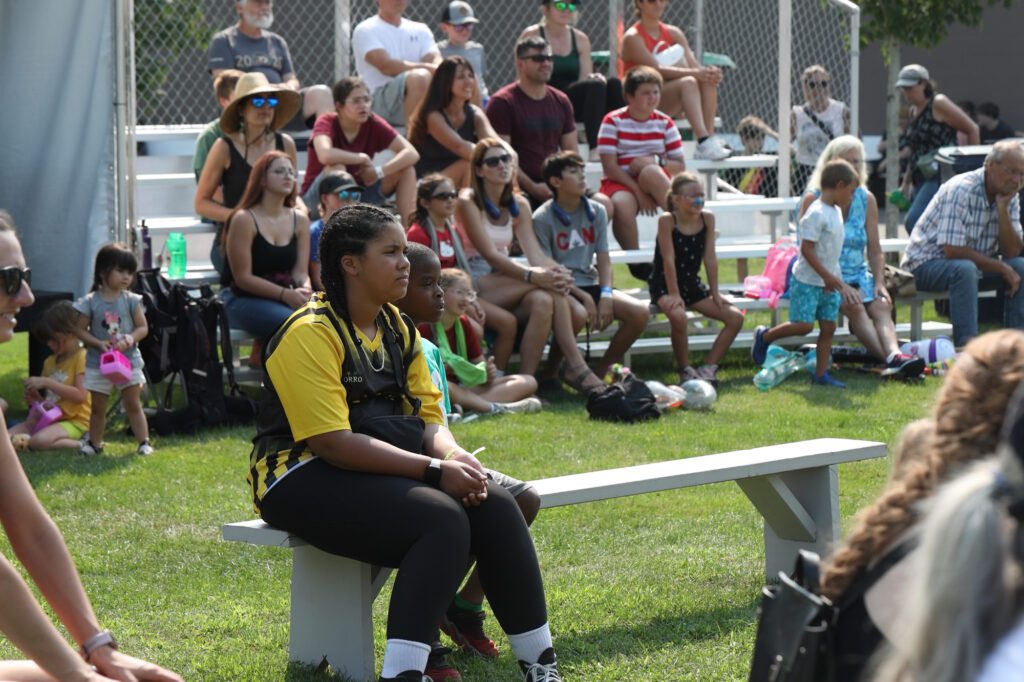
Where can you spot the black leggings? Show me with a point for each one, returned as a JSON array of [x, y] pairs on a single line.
[[427, 535], [591, 100]]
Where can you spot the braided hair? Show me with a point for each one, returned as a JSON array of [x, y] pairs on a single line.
[[346, 233]]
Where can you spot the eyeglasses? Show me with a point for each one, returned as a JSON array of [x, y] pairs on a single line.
[[467, 294], [285, 171], [260, 102], [540, 58], [814, 85], [495, 161], [1012, 172], [563, 6], [359, 100], [350, 194], [12, 277], [445, 196]]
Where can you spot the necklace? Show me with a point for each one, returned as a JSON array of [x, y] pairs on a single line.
[[370, 357]]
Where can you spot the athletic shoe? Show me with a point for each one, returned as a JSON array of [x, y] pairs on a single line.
[[907, 366], [87, 448], [466, 628], [760, 348], [826, 380], [407, 676], [145, 449], [688, 373], [544, 670], [711, 149], [439, 669], [526, 405], [708, 373]]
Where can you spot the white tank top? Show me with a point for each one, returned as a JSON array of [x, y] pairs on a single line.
[[810, 138], [501, 235]]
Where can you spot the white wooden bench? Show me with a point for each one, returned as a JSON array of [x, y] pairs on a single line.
[[795, 487]]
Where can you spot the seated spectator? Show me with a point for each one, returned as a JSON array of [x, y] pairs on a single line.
[[349, 137], [224, 90], [39, 545], [266, 249], [690, 88], [752, 132], [881, 548], [250, 124], [491, 216], [640, 150], [473, 380], [336, 189], [969, 238], [971, 110], [815, 123], [573, 231], [432, 226], [250, 47], [991, 128], [458, 22], [572, 72], [446, 125], [395, 57], [870, 313]]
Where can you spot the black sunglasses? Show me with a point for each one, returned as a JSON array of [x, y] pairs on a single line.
[[817, 84], [13, 276], [445, 196], [495, 161], [540, 58]]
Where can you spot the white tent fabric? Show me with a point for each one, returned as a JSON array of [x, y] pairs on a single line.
[[56, 134]]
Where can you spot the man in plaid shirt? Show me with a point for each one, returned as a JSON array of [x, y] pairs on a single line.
[[969, 237]]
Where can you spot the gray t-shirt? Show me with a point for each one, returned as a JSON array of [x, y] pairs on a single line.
[[573, 245], [108, 319], [823, 225], [268, 54], [473, 52]]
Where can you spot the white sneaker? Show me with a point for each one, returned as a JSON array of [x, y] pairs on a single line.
[[526, 405], [145, 448], [712, 149], [88, 449]]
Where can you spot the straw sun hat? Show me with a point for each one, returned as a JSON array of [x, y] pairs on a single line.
[[254, 84]]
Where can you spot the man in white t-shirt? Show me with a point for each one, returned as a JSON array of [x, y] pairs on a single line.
[[396, 57]]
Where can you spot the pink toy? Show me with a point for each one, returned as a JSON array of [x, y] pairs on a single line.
[[760, 287], [116, 367], [44, 413]]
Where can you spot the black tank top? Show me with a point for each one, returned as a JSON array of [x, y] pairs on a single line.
[[434, 156], [269, 261], [565, 69], [236, 175]]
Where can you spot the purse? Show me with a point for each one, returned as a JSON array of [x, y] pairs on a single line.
[[927, 166], [899, 282]]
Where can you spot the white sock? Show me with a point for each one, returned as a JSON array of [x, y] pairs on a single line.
[[401, 655], [892, 356], [528, 646]]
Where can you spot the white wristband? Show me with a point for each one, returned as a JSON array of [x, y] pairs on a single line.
[[379, 170]]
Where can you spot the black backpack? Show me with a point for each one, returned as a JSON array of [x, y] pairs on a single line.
[[184, 323], [627, 400]]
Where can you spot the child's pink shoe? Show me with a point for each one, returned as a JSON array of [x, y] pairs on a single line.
[[116, 367]]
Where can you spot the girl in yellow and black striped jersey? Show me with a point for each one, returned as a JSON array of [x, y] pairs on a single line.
[[337, 461]]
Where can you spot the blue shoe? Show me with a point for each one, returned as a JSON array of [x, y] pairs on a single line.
[[826, 380], [760, 349]]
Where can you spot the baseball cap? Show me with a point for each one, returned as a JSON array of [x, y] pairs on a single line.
[[337, 181], [911, 74], [458, 13]]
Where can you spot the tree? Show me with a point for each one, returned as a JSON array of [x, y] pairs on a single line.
[[164, 29], [918, 23]]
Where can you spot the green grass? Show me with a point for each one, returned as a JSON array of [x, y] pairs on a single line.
[[654, 587]]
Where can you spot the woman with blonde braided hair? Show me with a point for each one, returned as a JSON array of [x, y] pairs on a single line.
[[868, 574]]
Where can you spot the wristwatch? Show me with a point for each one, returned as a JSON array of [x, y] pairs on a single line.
[[100, 639], [432, 476]]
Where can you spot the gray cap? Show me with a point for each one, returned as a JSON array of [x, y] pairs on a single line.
[[911, 74], [458, 13]]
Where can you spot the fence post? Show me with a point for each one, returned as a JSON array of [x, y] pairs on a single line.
[[698, 31], [615, 20], [785, 88], [342, 44], [124, 117]]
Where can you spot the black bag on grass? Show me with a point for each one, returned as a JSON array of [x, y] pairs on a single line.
[[627, 400]]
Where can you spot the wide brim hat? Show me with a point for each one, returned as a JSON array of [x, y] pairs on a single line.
[[911, 75], [250, 85]]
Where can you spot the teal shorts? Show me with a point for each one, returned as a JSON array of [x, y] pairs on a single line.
[[810, 303]]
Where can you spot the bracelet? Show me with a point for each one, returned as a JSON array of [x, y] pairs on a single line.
[[606, 292], [527, 274], [379, 170], [100, 639], [280, 296], [451, 453]]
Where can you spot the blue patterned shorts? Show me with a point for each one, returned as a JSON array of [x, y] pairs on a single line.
[[810, 303]]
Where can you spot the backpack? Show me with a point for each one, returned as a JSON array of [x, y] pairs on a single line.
[[628, 400], [184, 323], [778, 264]]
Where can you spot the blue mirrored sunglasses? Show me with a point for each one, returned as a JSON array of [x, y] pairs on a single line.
[[350, 194], [260, 102]]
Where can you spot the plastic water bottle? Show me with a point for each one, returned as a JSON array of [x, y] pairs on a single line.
[[176, 253], [779, 364], [666, 398]]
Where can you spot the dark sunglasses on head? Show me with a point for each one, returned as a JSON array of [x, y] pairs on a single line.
[[12, 276], [817, 84], [540, 58], [562, 6], [495, 161], [445, 196], [350, 194], [260, 102]]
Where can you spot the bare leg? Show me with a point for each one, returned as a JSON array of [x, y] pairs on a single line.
[[656, 184], [507, 389], [131, 399], [679, 334], [609, 207], [416, 83], [633, 316], [787, 329], [732, 320], [863, 328], [824, 349], [504, 325], [624, 225], [880, 312], [565, 336], [555, 355], [316, 100], [709, 105], [683, 95], [52, 437], [403, 185], [467, 399], [458, 172], [22, 671], [98, 418]]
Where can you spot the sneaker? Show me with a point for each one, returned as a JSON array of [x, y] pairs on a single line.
[[144, 449], [688, 373], [907, 366], [407, 676], [760, 348], [544, 670], [466, 628], [88, 448], [708, 373], [439, 669], [525, 406], [826, 380], [711, 149]]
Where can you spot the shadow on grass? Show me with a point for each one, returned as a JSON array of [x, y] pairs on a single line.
[[40, 465], [300, 672]]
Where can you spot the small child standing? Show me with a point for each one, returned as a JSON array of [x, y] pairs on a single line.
[[62, 384], [112, 318], [817, 288], [686, 238], [473, 382], [457, 22]]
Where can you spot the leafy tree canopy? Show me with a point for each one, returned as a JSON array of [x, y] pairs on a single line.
[[920, 23]]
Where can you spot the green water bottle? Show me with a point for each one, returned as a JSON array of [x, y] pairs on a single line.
[[176, 255]]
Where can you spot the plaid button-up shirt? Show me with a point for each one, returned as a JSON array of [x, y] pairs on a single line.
[[959, 215]]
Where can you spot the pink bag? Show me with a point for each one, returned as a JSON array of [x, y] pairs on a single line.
[[776, 265]]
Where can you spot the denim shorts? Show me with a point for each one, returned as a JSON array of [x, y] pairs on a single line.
[[810, 303], [96, 382]]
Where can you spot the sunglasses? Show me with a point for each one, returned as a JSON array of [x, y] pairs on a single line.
[[563, 6], [495, 161], [445, 196], [13, 276], [350, 194], [813, 85], [260, 102], [540, 58]]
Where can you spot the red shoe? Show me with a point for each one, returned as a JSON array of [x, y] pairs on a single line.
[[439, 669], [466, 628]]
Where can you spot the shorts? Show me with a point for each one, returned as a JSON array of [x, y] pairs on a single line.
[[74, 431], [865, 284], [97, 383], [811, 303], [610, 187], [691, 289], [514, 486], [478, 267], [389, 100]]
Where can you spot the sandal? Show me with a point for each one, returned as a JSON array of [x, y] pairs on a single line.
[[580, 381]]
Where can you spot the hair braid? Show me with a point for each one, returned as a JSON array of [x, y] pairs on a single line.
[[346, 233]]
